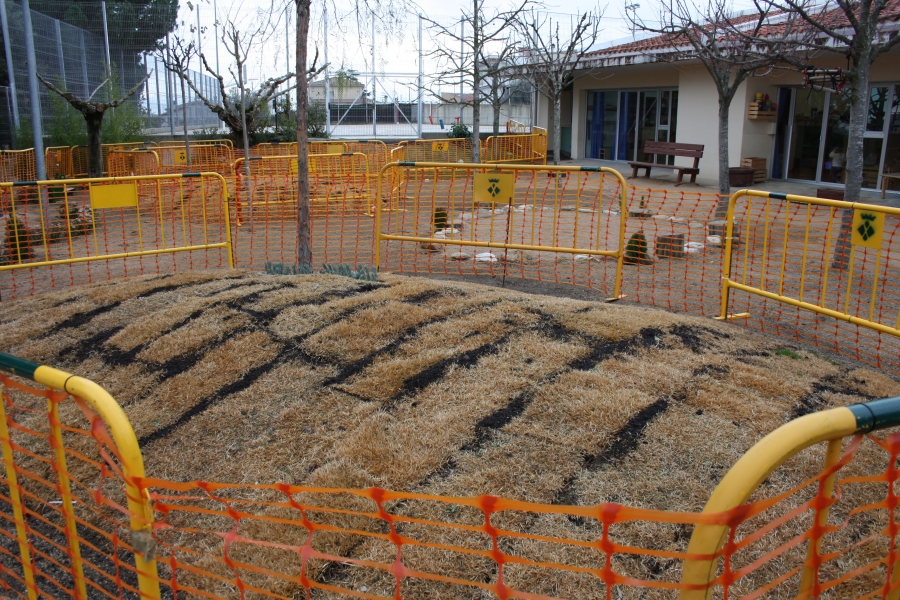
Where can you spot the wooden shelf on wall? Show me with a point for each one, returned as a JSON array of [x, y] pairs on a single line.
[[754, 113]]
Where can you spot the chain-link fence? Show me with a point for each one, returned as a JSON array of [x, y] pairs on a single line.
[[99, 49]]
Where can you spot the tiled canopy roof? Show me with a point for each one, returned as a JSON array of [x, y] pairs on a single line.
[[835, 19]]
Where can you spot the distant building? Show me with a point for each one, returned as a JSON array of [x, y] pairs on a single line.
[[345, 94]]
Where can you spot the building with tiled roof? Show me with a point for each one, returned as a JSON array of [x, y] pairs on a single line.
[[635, 92]]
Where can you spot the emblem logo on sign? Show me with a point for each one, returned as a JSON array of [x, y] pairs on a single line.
[[868, 228], [494, 187], [440, 146]]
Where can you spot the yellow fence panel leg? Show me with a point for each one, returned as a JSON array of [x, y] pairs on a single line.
[[16, 500], [65, 489]]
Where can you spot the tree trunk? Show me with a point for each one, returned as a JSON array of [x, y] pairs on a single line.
[[304, 245], [497, 106], [724, 109], [557, 127], [95, 148], [476, 87], [187, 144], [853, 169]]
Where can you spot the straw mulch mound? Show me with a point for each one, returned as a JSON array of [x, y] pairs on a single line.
[[435, 387]]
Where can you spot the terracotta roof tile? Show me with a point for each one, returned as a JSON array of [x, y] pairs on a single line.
[[835, 19]]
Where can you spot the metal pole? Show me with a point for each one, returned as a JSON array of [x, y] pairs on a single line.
[[462, 55], [216, 26], [84, 73], [287, 38], [169, 87], [59, 52], [420, 112], [199, 42], [7, 47], [374, 91], [34, 96], [147, 87], [106, 35], [327, 77], [156, 75]]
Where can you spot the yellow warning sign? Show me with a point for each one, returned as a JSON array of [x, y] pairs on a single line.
[[868, 228], [336, 148], [117, 195], [181, 157], [293, 166], [440, 146], [494, 187]]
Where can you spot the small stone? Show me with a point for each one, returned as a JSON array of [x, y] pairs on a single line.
[[307, 429], [459, 256], [583, 257], [486, 257]]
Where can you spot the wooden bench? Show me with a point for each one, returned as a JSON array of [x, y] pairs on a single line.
[[694, 151]]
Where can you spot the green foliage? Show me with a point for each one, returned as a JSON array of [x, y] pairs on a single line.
[[285, 119], [440, 219], [134, 24], [22, 137], [362, 273], [786, 352], [636, 250], [459, 130], [316, 120], [66, 125], [123, 124]]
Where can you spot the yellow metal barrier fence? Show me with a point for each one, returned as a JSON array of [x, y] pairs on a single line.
[[528, 149], [444, 209], [448, 150], [74, 523], [17, 165], [122, 163], [74, 483], [824, 258], [52, 227], [215, 158], [59, 162], [338, 184]]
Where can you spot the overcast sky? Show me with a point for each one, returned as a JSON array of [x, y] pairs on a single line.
[[350, 39]]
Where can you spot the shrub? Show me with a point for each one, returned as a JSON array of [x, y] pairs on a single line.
[[360, 272], [440, 219], [459, 130], [636, 250]]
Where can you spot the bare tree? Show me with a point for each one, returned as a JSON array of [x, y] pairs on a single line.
[[732, 48], [177, 59], [93, 112], [502, 80], [554, 60], [857, 30], [462, 55]]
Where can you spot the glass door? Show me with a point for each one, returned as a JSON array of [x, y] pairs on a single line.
[[627, 135], [619, 123], [806, 135], [649, 103], [602, 111], [892, 147]]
